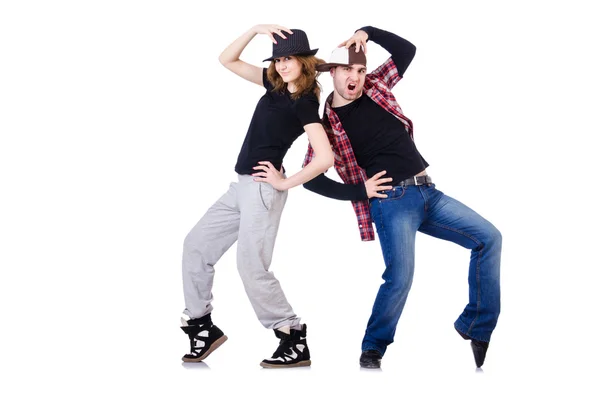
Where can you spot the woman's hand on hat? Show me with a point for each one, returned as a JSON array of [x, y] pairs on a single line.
[[270, 175], [269, 30], [359, 39]]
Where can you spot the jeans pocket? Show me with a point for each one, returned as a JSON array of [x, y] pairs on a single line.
[[396, 193]]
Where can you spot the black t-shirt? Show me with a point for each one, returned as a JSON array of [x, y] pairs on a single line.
[[277, 121], [379, 140]]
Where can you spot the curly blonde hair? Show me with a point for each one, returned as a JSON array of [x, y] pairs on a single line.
[[306, 83]]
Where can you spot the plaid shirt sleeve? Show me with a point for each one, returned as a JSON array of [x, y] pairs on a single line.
[[387, 73], [378, 85]]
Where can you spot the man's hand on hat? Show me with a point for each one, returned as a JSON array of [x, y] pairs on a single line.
[[269, 30], [270, 175], [359, 39]]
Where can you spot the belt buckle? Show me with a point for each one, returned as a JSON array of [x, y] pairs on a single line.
[[415, 179]]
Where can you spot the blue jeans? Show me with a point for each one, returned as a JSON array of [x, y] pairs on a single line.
[[422, 208]]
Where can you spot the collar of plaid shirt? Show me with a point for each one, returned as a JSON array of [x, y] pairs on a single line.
[[378, 85]]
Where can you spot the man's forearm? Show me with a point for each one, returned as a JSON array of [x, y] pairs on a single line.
[[335, 190], [401, 50]]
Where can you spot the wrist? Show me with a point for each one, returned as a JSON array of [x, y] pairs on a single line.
[[367, 30], [365, 191], [284, 185]]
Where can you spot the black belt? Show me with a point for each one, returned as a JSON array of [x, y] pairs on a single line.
[[416, 180]]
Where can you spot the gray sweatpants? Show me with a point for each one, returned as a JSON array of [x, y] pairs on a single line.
[[248, 213]]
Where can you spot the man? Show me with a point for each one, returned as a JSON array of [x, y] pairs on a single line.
[[371, 137]]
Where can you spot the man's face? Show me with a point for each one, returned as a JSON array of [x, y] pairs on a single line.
[[289, 68], [348, 81]]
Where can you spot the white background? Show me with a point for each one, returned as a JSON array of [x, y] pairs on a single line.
[[119, 128]]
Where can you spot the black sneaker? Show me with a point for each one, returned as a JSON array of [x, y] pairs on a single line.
[[292, 351], [479, 348], [370, 359], [204, 336]]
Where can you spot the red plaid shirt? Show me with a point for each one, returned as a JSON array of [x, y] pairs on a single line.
[[378, 86]]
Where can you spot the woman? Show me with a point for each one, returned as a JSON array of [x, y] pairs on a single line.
[[250, 210]]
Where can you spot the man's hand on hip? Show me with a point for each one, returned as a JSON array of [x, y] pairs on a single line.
[[373, 185]]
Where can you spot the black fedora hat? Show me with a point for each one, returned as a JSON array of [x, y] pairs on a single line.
[[295, 44]]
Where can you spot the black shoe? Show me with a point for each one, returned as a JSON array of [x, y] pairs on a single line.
[[204, 336], [292, 351], [479, 348], [370, 359]]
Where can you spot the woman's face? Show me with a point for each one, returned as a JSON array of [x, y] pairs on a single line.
[[289, 68]]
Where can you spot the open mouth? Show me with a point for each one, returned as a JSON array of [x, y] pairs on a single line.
[[351, 87]]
